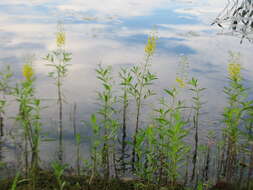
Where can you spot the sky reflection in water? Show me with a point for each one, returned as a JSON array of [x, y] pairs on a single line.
[[114, 32]]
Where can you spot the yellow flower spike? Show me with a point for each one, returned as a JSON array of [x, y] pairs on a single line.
[[28, 71], [151, 45], [60, 39], [180, 82], [234, 71]]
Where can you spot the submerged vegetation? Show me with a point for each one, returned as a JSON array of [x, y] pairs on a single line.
[[163, 153]]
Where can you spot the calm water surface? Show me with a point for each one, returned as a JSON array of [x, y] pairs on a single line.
[[114, 32]]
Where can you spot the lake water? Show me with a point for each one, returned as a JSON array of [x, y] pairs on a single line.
[[114, 32]]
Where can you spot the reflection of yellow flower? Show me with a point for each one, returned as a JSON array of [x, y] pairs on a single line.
[[60, 39], [181, 82], [151, 45], [234, 71], [28, 71]]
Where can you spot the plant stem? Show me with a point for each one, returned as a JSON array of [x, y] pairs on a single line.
[[138, 108], [60, 153], [1, 125], [124, 133], [250, 172]]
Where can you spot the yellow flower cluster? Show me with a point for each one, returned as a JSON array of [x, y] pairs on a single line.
[[28, 71], [234, 71], [60, 39], [180, 82], [151, 45]]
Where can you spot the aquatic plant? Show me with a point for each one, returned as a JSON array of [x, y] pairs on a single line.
[[96, 153], [125, 81], [29, 117], [139, 86], [15, 182], [58, 170], [160, 147], [106, 111], [236, 94], [197, 105], [78, 157], [77, 137], [183, 71], [248, 134], [161, 152], [5, 89], [173, 132], [59, 61]]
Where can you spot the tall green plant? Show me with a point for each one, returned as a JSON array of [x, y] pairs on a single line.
[[160, 147], [125, 81], [247, 133], [29, 117], [236, 93], [197, 105], [139, 87], [145, 166], [59, 62], [5, 89], [106, 111], [96, 143], [172, 125]]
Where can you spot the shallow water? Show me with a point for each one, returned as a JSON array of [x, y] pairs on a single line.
[[114, 33]]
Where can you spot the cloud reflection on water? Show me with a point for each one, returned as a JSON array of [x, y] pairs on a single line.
[[114, 32]]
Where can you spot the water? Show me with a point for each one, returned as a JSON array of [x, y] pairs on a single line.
[[114, 33]]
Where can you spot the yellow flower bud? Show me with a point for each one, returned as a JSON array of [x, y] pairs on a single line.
[[180, 82], [151, 45], [28, 71], [234, 71], [60, 39]]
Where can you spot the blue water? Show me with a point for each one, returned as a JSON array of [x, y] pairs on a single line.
[[114, 32]]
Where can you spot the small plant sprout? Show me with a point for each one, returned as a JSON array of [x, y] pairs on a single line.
[[58, 170], [15, 182]]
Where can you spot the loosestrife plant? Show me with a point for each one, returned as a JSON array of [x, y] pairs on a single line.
[[140, 86], [236, 94], [58, 170], [5, 89], [125, 81], [59, 60], [106, 112], [29, 117]]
